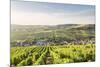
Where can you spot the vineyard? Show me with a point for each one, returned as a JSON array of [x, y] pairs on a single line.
[[40, 55]]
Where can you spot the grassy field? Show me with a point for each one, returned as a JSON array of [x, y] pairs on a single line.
[[40, 55]]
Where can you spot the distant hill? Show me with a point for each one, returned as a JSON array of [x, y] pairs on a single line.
[[45, 32]]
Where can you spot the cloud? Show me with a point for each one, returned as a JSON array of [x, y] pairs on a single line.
[[37, 13], [40, 18]]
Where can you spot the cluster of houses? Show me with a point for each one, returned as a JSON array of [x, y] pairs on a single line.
[[82, 42], [45, 43], [38, 43]]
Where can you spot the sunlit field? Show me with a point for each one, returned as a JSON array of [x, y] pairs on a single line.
[[40, 55]]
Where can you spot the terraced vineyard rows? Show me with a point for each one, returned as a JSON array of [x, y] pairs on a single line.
[[39, 55]]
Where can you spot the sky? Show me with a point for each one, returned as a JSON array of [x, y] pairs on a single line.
[[42, 13]]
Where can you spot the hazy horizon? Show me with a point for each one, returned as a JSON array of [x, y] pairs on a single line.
[[50, 25], [42, 13]]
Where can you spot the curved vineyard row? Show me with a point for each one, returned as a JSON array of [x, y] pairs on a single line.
[[39, 55]]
